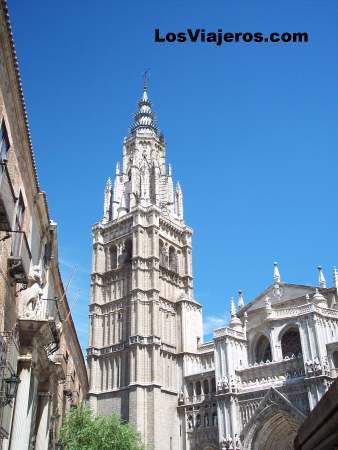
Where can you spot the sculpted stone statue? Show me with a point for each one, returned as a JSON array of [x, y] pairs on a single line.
[[227, 442], [309, 366], [33, 294], [317, 365], [225, 382]]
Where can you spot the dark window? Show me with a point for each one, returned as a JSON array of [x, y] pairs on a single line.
[[263, 350], [335, 359], [291, 345], [18, 226], [172, 259], [128, 251], [198, 388], [113, 257], [47, 253], [198, 421], [4, 143], [206, 386], [213, 385]]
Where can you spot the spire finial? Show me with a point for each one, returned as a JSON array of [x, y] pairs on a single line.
[[321, 278], [276, 274]]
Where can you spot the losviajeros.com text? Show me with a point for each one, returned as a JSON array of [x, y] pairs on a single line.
[[219, 37]]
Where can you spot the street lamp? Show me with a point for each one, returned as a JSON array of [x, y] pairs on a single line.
[[11, 388]]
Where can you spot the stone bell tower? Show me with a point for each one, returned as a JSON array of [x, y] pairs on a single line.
[[143, 318]]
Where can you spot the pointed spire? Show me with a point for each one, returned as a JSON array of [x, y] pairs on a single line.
[[319, 299], [335, 277], [240, 299], [117, 170], [179, 201], [235, 322], [144, 118], [321, 278], [122, 209], [107, 201], [232, 307], [169, 170], [276, 274]]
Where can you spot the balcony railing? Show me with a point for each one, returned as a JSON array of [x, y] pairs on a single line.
[[193, 399], [269, 372], [19, 261], [7, 200]]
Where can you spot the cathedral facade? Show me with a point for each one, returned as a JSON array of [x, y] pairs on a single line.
[[253, 384]]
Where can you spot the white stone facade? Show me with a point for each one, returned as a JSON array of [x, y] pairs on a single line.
[[253, 384]]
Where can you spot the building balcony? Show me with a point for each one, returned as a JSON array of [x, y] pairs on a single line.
[[38, 317], [266, 373], [196, 399], [20, 259], [7, 200]]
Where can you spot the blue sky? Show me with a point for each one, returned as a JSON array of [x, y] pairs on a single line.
[[251, 131]]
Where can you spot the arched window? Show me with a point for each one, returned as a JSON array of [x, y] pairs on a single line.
[[335, 359], [172, 259], [291, 345], [113, 257], [214, 419], [263, 350], [206, 387], [198, 388]]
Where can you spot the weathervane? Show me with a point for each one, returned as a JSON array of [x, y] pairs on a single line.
[[145, 79]]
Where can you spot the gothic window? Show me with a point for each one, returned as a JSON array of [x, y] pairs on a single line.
[[172, 259], [335, 359], [4, 143], [127, 251], [206, 387], [213, 385], [18, 226], [291, 345], [113, 257], [214, 419], [263, 350], [198, 388]]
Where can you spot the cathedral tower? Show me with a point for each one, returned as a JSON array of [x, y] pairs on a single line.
[[144, 322]]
